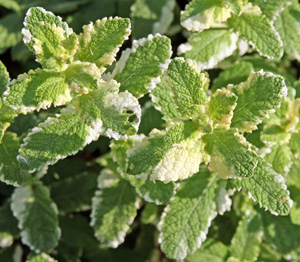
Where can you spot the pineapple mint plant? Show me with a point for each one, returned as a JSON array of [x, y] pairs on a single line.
[[167, 150]]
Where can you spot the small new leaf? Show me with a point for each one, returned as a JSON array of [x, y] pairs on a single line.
[[37, 217], [230, 154], [221, 106], [259, 96]]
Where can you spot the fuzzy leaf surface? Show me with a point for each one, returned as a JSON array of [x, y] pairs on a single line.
[[10, 171], [267, 188], [257, 97], [258, 32], [271, 9], [139, 68], [182, 90], [100, 42], [245, 244], [45, 35], [230, 154], [202, 14], [187, 218], [37, 90], [114, 208], [109, 112], [209, 47], [37, 217], [54, 139], [168, 156], [4, 78], [158, 192], [289, 30]]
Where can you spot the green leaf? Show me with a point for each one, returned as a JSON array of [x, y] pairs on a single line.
[[281, 233], [295, 142], [256, 29], [100, 42], [233, 75], [139, 68], [42, 257], [268, 254], [295, 211], [289, 30], [8, 226], [114, 208], [37, 217], [209, 47], [37, 90], [203, 14], [267, 188], [168, 156], [271, 9], [82, 77], [275, 135], [74, 194], [10, 27], [48, 37], [258, 97], [186, 219], [221, 106], [210, 251], [151, 118], [151, 17], [158, 192], [4, 78], [7, 116], [280, 158], [11, 4], [113, 114], [230, 154], [54, 139], [10, 171], [184, 91], [245, 244]]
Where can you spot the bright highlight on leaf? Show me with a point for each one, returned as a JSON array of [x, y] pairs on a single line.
[[168, 156]]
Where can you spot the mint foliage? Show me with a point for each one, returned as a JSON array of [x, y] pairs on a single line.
[[145, 130]]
